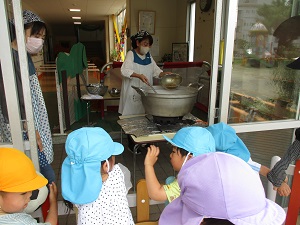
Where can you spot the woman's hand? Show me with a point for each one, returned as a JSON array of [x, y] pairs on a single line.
[[39, 141], [143, 78], [164, 73]]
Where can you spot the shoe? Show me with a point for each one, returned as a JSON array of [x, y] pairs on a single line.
[[138, 152]]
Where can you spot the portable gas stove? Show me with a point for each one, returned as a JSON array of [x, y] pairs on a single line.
[[148, 124]]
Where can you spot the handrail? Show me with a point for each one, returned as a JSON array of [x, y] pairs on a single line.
[[164, 65]]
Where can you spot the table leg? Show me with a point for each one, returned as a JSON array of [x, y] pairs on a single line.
[[135, 148], [102, 108], [88, 112]]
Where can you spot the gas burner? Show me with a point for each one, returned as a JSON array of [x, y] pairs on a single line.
[[166, 120], [159, 120]]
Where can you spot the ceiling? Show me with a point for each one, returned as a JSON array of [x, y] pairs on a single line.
[[56, 11]]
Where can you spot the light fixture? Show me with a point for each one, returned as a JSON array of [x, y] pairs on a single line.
[[74, 10], [77, 22], [76, 17]]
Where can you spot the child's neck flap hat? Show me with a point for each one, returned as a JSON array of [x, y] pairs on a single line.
[[17, 172], [227, 141], [228, 189], [196, 140], [86, 148]]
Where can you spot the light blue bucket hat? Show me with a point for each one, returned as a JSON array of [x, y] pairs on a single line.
[[86, 148], [227, 141], [196, 140]]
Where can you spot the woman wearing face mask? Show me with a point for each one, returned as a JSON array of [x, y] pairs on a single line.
[[138, 70], [35, 32]]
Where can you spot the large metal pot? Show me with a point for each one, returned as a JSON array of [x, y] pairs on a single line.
[[169, 103]]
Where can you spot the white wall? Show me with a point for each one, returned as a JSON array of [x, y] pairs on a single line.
[[166, 27], [204, 34], [170, 25]]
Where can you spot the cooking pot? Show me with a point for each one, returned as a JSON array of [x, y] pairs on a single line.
[[169, 103]]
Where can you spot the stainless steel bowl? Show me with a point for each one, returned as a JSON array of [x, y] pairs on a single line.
[[97, 89], [171, 81], [114, 92]]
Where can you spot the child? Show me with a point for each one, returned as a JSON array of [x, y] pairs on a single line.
[[277, 175], [18, 179], [221, 186], [91, 180], [188, 142], [227, 141]]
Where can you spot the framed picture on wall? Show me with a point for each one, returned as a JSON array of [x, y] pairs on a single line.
[[147, 21], [180, 52]]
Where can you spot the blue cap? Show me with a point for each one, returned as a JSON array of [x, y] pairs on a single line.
[[196, 140], [81, 170], [227, 141]]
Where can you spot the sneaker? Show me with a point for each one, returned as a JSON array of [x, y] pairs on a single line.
[[138, 152]]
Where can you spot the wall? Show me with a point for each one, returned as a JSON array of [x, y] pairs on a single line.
[[170, 27], [167, 18], [204, 28]]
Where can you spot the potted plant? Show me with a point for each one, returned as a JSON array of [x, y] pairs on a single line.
[[284, 83]]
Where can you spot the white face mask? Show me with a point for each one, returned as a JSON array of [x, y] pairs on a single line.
[[34, 45], [107, 162], [185, 159], [144, 50]]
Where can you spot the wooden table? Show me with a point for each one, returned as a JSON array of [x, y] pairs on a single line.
[[138, 141]]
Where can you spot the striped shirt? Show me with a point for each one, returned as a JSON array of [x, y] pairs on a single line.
[[277, 175]]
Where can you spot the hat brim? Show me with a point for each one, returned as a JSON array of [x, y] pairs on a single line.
[[176, 213], [272, 214], [118, 148], [170, 141], [36, 183]]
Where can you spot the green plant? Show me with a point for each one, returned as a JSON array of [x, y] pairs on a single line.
[[113, 55], [284, 82]]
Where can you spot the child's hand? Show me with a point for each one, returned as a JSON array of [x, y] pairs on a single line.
[[152, 155], [283, 190], [53, 193]]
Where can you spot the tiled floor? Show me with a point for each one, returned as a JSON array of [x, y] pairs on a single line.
[[163, 169]]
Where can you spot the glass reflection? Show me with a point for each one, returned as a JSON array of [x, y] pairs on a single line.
[[263, 88]]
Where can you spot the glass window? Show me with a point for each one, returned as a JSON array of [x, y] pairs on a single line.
[[5, 131], [263, 87]]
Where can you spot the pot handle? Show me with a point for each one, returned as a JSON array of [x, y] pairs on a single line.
[[196, 85], [139, 90]]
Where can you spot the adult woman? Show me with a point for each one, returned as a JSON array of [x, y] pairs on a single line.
[[138, 69], [35, 32]]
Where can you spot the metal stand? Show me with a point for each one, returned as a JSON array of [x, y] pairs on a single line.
[[135, 148]]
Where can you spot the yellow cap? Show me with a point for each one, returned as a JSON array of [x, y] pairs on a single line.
[[17, 172]]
